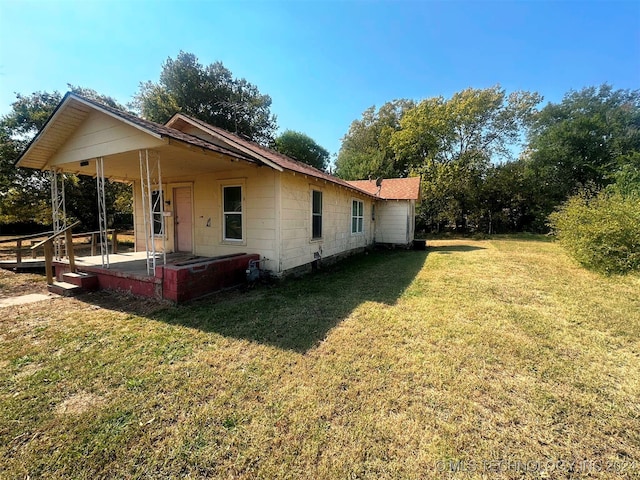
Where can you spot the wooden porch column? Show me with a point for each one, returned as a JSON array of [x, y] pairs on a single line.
[[72, 258], [18, 252], [48, 261], [114, 241]]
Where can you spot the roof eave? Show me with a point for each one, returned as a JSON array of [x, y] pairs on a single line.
[[213, 133], [59, 110]]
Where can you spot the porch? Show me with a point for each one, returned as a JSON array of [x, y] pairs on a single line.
[[183, 277]]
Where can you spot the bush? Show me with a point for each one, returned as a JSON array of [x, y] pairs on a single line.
[[602, 232]]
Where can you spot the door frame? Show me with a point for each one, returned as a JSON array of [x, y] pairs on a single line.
[[174, 187]]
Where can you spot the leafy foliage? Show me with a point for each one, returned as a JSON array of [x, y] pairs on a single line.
[[366, 149], [602, 232], [25, 193], [585, 139], [463, 147], [303, 148], [474, 126], [452, 144], [210, 94]]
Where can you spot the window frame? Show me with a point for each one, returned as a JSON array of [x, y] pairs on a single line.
[[358, 218], [225, 213], [157, 207], [315, 214]]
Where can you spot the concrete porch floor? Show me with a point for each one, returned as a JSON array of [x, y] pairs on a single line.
[[136, 262]]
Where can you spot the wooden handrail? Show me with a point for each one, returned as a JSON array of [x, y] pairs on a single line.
[[25, 237], [48, 251], [43, 234], [64, 230], [86, 234]]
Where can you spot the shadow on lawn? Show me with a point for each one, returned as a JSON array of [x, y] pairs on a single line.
[[445, 249], [298, 313]]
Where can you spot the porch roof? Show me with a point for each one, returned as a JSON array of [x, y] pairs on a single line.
[[51, 146]]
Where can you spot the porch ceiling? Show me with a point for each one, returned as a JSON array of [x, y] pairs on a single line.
[[176, 161]]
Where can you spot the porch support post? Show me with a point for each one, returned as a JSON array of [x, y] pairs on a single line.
[[58, 210], [152, 196], [102, 212]]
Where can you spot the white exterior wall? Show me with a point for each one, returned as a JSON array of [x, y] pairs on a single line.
[[298, 248], [277, 216], [100, 135], [395, 221], [259, 213]]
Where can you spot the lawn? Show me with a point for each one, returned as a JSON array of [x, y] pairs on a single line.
[[498, 358]]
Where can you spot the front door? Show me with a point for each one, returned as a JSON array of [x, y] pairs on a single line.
[[183, 219]]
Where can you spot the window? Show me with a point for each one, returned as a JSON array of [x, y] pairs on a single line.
[[316, 214], [156, 207], [232, 213], [357, 216]]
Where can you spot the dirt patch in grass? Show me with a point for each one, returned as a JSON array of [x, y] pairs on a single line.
[[14, 284], [78, 403]]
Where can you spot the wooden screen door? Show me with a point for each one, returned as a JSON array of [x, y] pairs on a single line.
[[183, 219]]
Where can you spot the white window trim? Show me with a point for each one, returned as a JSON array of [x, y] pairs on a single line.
[[361, 217], [161, 213], [313, 239], [243, 214]]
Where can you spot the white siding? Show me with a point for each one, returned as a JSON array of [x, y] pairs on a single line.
[[259, 213], [101, 135], [394, 222], [298, 248], [277, 216]]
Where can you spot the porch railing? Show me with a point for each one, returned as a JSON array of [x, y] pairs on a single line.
[[48, 251], [20, 243]]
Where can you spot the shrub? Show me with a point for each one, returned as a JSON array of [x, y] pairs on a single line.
[[601, 231]]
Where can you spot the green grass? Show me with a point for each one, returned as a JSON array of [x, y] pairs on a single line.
[[393, 365]]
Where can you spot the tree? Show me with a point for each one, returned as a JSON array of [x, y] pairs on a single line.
[[210, 94], [25, 193], [475, 126], [453, 144], [589, 138], [366, 150], [303, 148]]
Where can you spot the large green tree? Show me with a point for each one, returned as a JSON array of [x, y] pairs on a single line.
[[454, 143], [25, 193], [366, 148], [303, 148], [210, 93], [588, 139], [474, 126]]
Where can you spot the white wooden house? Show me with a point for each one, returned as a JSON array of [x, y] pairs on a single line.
[[202, 190]]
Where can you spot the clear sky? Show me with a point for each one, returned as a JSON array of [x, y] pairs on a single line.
[[323, 62]]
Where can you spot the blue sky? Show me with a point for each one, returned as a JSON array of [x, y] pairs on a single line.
[[323, 62]]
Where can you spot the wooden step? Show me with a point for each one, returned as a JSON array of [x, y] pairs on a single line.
[[65, 289], [87, 281]]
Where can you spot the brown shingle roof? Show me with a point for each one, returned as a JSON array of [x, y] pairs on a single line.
[[277, 158], [391, 188]]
